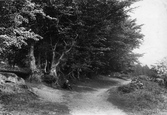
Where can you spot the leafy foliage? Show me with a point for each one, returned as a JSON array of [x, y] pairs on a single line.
[[142, 70], [160, 69], [74, 38]]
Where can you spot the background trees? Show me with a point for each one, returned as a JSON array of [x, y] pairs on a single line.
[[160, 69], [70, 38]]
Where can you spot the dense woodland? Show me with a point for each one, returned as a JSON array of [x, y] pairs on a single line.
[[64, 43], [69, 38]]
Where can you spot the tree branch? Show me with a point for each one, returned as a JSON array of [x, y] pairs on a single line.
[[56, 45], [65, 52]]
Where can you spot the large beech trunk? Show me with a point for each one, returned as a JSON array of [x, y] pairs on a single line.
[[34, 77], [32, 60]]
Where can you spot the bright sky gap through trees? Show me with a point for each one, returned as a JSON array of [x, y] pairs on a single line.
[[153, 14]]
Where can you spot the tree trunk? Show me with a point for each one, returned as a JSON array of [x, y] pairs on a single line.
[[53, 70], [39, 61], [55, 65], [34, 77], [33, 66], [45, 66], [53, 58]]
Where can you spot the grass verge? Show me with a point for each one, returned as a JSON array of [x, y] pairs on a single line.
[[147, 101], [29, 104]]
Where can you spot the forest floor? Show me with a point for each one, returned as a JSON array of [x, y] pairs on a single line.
[[86, 98]]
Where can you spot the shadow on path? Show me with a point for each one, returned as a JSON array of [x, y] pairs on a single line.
[[94, 84], [86, 98]]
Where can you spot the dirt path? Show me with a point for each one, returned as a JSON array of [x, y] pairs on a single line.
[[83, 103]]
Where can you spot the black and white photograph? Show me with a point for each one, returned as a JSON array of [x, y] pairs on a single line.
[[83, 57]]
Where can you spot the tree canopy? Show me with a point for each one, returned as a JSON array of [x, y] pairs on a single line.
[[70, 37]]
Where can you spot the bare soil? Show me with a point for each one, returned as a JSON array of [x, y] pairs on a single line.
[[88, 98]]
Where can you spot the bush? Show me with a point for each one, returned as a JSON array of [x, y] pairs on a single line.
[[137, 100], [48, 79], [126, 88], [144, 77], [134, 85], [35, 76]]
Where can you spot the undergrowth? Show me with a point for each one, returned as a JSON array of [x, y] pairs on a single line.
[[141, 100]]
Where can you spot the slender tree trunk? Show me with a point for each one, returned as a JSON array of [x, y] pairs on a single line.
[[39, 61], [78, 74], [45, 66], [54, 66], [53, 59]]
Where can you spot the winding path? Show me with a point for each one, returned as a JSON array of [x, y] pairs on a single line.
[[83, 103]]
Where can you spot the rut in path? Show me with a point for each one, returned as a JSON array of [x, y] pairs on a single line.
[[83, 103]]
